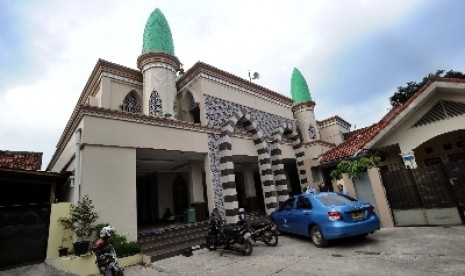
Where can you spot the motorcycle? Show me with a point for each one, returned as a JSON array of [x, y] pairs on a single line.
[[237, 238], [264, 231], [105, 255]]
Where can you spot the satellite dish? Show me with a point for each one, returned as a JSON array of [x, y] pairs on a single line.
[[254, 76]]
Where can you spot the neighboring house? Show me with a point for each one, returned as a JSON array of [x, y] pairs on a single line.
[[426, 135], [26, 195], [142, 140]]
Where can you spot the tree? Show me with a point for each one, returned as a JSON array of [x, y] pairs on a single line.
[[403, 94]]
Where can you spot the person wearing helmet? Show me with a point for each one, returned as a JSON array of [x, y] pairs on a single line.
[[241, 216], [105, 234], [105, 254], [107, 231]]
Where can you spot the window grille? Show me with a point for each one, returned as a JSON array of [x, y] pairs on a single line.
[[155, 104], [131, 104]]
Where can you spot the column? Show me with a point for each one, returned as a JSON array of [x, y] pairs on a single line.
[[196, 197], [250, 192], [384, 210]]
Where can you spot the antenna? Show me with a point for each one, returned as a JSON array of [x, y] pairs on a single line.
[[254, 76]]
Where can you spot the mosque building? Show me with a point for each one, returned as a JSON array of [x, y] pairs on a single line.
[[140, 141]]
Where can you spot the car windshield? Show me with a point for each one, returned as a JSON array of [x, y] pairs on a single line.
[[334, 199]]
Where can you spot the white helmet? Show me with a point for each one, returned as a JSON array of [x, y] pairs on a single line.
[[241, 211], [107, 231]]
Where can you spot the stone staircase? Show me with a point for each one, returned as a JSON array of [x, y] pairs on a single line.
[[172, 241]]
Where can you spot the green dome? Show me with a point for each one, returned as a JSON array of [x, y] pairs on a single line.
[[157, 34], [299, 88]]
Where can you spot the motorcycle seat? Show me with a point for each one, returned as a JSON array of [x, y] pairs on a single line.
[[258, 224], [230, 230]]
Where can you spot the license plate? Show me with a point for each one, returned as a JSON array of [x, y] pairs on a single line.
[[358, 215], [247, 236]]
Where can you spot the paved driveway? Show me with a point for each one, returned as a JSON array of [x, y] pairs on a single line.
[[398, 251]]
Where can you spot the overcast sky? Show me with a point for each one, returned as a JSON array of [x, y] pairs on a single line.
[[353, 54]]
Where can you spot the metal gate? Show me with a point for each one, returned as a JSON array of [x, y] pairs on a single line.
[[23, 234], [430, 195]]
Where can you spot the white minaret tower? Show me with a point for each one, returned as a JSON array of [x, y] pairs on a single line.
[[159, 66], [303, 108]]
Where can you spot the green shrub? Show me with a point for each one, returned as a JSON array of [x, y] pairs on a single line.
[[120, 243]]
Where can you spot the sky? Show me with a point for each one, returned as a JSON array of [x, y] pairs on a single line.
[[354, 54]]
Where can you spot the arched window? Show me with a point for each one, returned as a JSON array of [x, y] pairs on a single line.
[[131, 103], [155, 107], [312, 132], [194, 110]]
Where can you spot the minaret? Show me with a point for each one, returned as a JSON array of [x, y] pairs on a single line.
[[303, 108], [159, 66]]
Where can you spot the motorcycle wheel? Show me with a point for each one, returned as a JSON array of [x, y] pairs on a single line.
[[119, 272], [271, 239], [247, 249], [108, 272], [211, 244]]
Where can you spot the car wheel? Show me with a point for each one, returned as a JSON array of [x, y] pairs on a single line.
[[247, 249], [317, 237]]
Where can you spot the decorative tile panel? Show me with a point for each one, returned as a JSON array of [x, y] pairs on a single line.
[[219, 112]]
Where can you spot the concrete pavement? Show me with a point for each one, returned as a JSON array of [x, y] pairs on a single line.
[[394, 251]]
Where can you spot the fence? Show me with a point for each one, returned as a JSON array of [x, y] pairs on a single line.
[[429, 187]]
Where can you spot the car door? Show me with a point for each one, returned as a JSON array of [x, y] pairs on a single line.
[[281, 217], [302, 216]]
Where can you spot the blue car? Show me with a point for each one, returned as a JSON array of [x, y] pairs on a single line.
[[326, 216]]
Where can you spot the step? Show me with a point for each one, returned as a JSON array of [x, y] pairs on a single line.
[[153, 256], [171, 234], [173, 241], [149, 236], [156, 245]]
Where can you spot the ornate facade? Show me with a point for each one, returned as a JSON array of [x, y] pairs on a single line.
[[157, 138]]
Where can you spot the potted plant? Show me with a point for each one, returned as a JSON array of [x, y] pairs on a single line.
[[81, 218], [62, 251]]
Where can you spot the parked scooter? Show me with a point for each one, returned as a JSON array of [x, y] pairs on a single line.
[[105, 254], [237, 238], [264, 231]]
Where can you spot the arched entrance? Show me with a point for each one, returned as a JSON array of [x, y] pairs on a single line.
[[227, 166], [287, 131]]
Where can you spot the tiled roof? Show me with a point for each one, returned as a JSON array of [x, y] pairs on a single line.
[[357, 139], [23, 160]]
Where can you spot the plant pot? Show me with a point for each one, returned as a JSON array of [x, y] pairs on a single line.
[[63, 251], [81, 248]]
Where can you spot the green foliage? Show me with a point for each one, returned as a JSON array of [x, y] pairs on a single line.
[[120, 243], [353, 167], [82, 216], [336, 174], [404, 93]]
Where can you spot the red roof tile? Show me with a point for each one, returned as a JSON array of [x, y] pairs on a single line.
[[23, 160], [357, 139]]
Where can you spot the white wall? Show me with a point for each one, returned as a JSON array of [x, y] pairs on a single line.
[[109, 178]]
